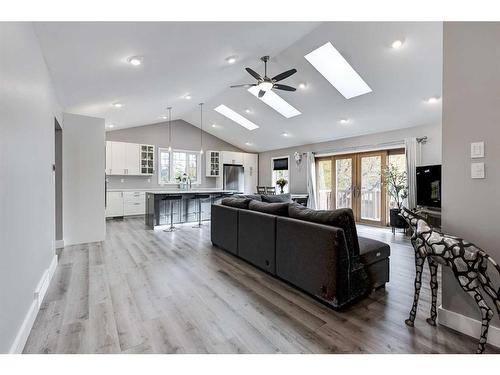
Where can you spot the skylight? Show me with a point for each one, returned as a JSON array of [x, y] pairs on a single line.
[[276, 102], [236, 117], [332, 65]]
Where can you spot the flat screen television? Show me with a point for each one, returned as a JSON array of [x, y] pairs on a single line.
[[429, 186]]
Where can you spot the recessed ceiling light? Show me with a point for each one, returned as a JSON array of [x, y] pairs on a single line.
[[236, 117], [433, 99], [344, 121], [215, 126], [397, 44], [302, 85], [332, 65], [187, 96], [163, 117], [248, 143], [111, 126], [231, 59], [135, 60], [248, 110], [285, 134], [276, 102], [117, 105]]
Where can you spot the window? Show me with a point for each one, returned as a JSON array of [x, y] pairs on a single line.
[[173, 164], [164, 168], [280, 170], [396, 158]]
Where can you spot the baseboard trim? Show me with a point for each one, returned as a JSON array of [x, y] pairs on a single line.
[[59, 244], [464, 324], [29, 319]]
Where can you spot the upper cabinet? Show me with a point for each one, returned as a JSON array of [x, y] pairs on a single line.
[[213, 164], [124, 158], [231, 157]]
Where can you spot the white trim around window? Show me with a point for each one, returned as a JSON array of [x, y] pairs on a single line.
[[171, 177]]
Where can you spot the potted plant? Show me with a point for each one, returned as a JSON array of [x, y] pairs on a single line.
[[281, 182], [396, 183]]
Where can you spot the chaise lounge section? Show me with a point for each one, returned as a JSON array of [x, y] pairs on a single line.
[[302, 246]]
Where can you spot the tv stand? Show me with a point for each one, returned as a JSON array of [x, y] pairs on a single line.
[[432, 216]]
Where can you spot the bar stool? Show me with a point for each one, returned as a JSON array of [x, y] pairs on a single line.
[[199, 197], [171, 198]]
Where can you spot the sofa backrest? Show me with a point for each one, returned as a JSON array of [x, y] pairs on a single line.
[[312, 256], [257, 239], [341, 218]]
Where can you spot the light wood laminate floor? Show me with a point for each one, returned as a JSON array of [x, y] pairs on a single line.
[[144, 291]]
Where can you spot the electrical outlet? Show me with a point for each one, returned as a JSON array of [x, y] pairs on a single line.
[[122, 180]]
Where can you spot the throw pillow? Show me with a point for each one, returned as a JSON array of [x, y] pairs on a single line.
[[280, 209], [341, 218], [236, 202], [277, 198]]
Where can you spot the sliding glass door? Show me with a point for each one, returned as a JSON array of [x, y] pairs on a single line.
[[371, 195], [324, 175], [353, 181]]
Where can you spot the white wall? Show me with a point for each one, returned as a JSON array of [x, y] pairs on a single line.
[[431, 152], [28, 106], [471, 92], [83, 179]]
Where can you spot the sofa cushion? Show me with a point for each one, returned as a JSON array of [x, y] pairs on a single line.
[[341, 218], [371, 251], [279, 209], [276, 198], [256, 197], [236, 202]]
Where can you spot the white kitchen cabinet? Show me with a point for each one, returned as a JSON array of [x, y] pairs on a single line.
[[213, 164], [132, 158], [134, 203], [116, 161], [114, 204], [109, 146], [251, 172], [123, 158], [125, 203], [231, 157]]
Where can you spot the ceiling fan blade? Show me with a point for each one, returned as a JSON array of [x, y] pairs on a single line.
[[283, 87], [261, 93], [254, 74], [244, 85], [284, 75]]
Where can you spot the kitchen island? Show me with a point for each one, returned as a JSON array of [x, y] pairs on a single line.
[[185, 210]]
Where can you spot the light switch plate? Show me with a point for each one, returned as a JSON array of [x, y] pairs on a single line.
[[477, 150], [477, 170]]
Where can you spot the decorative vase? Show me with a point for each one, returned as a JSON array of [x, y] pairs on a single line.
[[396, 221], [281, 190]]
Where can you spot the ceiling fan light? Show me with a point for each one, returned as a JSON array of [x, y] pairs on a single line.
[[265, 86]]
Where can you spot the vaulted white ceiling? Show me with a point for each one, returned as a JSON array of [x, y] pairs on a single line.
[[88, 62]]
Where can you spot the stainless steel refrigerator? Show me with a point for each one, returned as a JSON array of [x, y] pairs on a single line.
[[234, 178]]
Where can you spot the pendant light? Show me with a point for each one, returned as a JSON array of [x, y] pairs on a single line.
[[169, 129], [201, 128]]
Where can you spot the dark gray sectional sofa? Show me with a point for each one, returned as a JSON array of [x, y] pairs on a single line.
[[317, 251]]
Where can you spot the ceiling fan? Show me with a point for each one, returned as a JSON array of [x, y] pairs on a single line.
[[265, 83]]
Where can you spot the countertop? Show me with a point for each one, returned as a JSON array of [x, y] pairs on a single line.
[[192, 191]]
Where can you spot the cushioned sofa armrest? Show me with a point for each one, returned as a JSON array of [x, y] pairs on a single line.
[[315, 258], [224, 227]]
